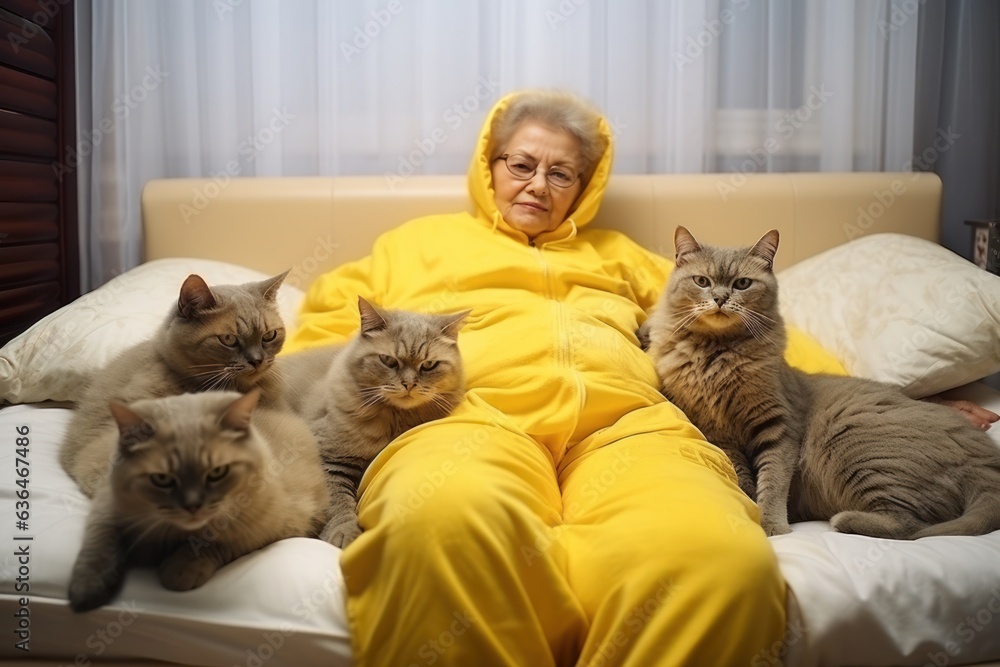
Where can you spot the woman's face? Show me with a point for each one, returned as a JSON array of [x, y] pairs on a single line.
[[534, 205]]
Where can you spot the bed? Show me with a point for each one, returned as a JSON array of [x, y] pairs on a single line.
[[859, 270]]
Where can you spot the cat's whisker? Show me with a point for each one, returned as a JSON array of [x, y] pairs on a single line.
[[204, 373], [753, 329], [757, 323], [380, 390], [752, 325], [689, 319], [749, 316], [228, 377], [154, 524], [369, 402], [757, 330], [205, 377], [366, 405], [215, 381], [688, 310], [761, 316], [440, 401]]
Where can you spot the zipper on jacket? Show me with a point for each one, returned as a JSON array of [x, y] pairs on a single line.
[[563, 351], [548, 292]]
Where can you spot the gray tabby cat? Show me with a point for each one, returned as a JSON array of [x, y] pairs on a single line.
[[402, 370], [203, 479], [854, 451], [223, 337]]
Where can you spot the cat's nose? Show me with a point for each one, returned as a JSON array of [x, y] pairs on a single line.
[[255, 360], [408, 385], [719, 300], [192, 501]]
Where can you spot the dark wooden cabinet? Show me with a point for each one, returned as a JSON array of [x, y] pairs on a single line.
[[39, 244]]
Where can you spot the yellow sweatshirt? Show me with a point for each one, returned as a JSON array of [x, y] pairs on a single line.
[[550, 341]]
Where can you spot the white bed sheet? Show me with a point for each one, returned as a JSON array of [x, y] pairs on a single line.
[[855, 600]]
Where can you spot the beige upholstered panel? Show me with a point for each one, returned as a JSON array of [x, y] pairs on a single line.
[[364, 207], [268, 224], [314, 224]]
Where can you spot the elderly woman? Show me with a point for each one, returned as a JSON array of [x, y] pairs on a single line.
[[565, 513]]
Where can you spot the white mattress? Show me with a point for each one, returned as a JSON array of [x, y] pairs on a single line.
[[856, 600]]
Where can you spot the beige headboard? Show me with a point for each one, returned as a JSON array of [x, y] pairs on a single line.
[[315, 224]]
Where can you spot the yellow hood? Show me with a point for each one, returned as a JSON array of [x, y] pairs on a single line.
[[481, 184]]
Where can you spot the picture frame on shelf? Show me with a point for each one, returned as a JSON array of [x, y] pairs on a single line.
[[986, 244]]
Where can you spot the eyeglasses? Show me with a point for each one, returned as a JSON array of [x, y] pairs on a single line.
[[524, 168]]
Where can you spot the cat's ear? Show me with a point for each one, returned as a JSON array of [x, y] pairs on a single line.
[[451, 324], [766, 247], [237, 415], [684, 244], [196, 297], [133, 430], [269, 287], [371, 319]]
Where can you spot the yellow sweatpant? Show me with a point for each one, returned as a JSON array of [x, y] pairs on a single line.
[[632, 546]]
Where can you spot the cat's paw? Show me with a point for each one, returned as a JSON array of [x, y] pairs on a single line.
[[341, 534], [90, 590], [186, 573], [772, 528], [642, 333]]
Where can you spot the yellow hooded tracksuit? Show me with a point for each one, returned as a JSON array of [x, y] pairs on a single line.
[[565, 513]]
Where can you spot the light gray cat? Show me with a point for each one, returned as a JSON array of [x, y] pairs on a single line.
[[202, 480], [403, 369], [854, 451], [223, 337]]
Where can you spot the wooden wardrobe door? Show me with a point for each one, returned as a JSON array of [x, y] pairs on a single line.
[[39, 244]]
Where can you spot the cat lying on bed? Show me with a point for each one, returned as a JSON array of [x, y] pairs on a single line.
[[857, 452], [202, 480], [401, 370], [223, 337]]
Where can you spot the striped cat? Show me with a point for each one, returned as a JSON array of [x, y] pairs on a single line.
[[854, 451], [401, 370]]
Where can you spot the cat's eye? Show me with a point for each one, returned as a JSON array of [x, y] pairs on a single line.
[[161, 480], [270, 335], [701, 281], [391, 362], [742, 283], [229, 340], [217, 473], [429, 365]]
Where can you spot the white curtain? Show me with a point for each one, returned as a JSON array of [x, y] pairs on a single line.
[[224, 88]]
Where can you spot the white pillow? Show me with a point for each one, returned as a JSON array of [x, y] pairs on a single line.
[[898, 309], [52, 359]]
